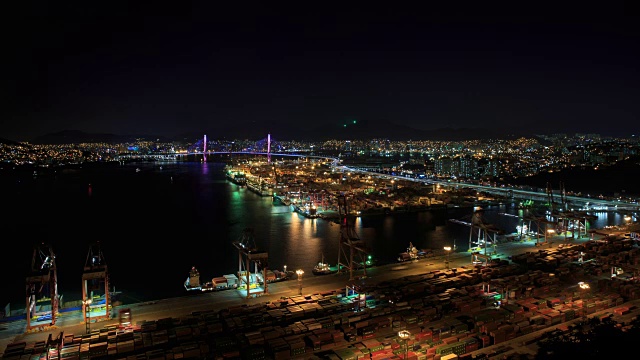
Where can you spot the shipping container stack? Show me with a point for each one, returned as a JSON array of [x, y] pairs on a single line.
[[447, 313]]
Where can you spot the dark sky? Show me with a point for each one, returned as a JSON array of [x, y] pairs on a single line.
[[196, 67]]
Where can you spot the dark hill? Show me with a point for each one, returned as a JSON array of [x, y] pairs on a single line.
[[621, 178], [8, 142], [76, 137]]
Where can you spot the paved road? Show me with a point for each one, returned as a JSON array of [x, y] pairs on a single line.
[[71, 323]]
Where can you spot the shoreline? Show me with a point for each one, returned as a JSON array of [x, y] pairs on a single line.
[[125, 298], [193, 306]]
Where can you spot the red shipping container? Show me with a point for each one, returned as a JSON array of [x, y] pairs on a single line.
[[450, 340], [379, 353], [498, 337], [471, 347], [485, 340], [423, 336], [621, 310]]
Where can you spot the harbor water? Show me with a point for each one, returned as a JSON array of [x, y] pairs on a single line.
[[154, 221]]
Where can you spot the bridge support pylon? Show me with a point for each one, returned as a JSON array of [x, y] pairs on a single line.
[[268, 148]]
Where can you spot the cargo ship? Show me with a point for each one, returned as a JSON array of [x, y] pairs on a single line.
[[231, 281], [192, 283], [281, 200], [274, 276], [236, 177], [308, 211]]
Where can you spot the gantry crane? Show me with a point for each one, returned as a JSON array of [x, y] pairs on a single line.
[[248, 253], [95, 286], [351, 245], [481, 233], [553, 208], [542, 224], [42, 288], [563, 219]]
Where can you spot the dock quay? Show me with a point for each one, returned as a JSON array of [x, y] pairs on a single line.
[[461, 311]]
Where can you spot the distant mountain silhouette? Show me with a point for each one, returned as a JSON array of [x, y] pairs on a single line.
[[8, 142], [76, 136], [619, 178]]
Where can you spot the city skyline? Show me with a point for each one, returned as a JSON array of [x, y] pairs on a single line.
[[199, 68]]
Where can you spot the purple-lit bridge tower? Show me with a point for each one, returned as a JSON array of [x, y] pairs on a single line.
[[268, 148]]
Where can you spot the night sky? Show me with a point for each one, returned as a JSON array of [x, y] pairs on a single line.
[[199, 67]]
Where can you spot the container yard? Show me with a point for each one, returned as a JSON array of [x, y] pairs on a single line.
[[445, 314]]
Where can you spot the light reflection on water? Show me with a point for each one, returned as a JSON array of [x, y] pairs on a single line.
[[156, 224]]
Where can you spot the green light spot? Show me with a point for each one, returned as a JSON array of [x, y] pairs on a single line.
[[354, 121]]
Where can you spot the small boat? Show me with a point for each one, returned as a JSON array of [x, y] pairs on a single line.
[[323, 268], [413, 254]]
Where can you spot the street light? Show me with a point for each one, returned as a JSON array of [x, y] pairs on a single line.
[[448, 250], [299, 272], [405, 335], [550, 233], [87, 312], [584, 287]]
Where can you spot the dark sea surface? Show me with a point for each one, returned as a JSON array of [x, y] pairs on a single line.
[[155, 224]]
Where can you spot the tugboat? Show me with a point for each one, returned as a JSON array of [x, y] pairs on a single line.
[[323, 268]]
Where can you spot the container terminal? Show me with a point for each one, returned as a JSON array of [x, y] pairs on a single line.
[[441, 307], [436, 304]]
